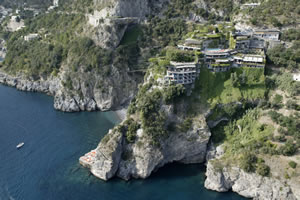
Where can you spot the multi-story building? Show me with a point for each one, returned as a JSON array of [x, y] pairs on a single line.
[[220, 65], [182, 73], [257, 45], [267, 34], [248, 60], [242, 42], [212, 54]]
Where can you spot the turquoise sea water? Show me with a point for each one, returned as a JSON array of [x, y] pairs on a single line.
[[47, 166]]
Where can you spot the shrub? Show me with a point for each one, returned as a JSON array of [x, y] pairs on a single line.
[[248, 162], [186, 125], [292, 105], [180, 56], [292, 164], [277, 101], [288, 149], [263, 169], [280, 138], [132, 127], [172, 93]]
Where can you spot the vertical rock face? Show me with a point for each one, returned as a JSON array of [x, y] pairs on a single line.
[[250, 185], [104, 160], [114, 156], [112, 17], [90, 91], [129, 8]]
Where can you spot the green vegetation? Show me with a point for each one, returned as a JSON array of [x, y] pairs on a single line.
[[178, 8], [292, 164], [292, 105], [276, 13], [186, 125], [291, 123], [164, 31], [246, 134], [132, 35], [220, 88], [179, 56], [82, 6], [45, 55], [152, 120], [232, 43], [173, 93], [277, 101], [131, 128], [284, 81], [263, 169], [18, 3], [85, 53], [250, 163], [285, 57], [33, 58], [290, 35]]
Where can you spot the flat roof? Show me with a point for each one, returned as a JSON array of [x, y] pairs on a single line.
[[188, 46], [253, 59], [217, 51], [222, 60], [267, 30]]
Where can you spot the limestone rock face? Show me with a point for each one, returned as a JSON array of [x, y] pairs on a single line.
[[249, 185], [104, 160], [141, 158], [111, 18], [49, 86], [87, 93]]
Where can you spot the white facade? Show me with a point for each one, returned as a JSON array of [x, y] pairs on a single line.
[[296, 77], [267, 34], [31, 36], [186, 47], [55, 3], [182, 73], [250, 5]]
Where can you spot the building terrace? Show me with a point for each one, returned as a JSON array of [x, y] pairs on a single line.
[[267, 34], [182, 73]]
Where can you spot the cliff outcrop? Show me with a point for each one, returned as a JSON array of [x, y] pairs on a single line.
[[250, 185], [110, 19], [84, 92], [116, 157], [149, 138]]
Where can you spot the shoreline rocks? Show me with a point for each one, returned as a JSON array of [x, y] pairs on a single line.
[[249, 185], [63, 101], [114, 156]]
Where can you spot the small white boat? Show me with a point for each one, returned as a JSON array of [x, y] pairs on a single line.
[[20, 145]]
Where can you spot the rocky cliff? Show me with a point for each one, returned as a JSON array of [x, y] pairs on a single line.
[[87, 92], [110, 19], [75, 86], [114, 156], [149, 138], [249, 185]]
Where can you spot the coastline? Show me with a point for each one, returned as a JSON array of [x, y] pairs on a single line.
[[62, 101], [121, 114]]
